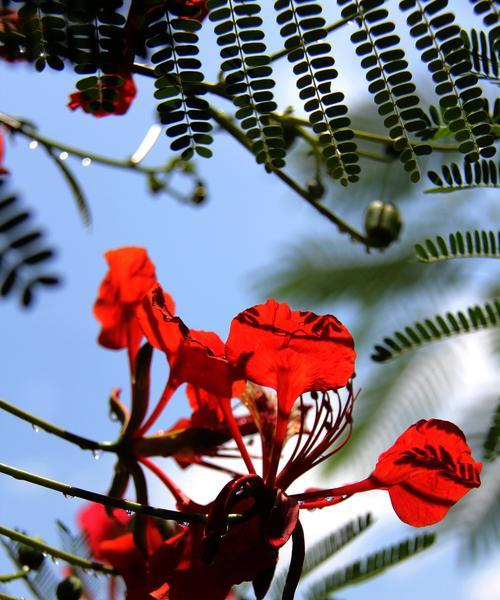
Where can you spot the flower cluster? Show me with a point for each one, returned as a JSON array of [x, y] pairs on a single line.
[[292, 372]]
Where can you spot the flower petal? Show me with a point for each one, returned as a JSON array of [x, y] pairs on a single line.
[[131, 274], [427, 470]]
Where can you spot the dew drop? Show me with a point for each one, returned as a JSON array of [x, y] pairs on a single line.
[[63, 155], [33, 145], [26, 569], [129, 512], [96, 454], [86, 162], [35, 428]]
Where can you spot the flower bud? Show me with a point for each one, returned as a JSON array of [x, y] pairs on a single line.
[[29, 557], [383, 223], [70, 588]]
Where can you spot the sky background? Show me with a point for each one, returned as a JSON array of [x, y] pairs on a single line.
[[208, 258]]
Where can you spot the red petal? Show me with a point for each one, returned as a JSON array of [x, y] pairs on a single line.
[[195, 357], [291, 351], [126, 93], [131, 274], [427, 470], [98, 526]]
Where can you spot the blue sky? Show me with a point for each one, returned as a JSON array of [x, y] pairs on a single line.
[[206, 257]]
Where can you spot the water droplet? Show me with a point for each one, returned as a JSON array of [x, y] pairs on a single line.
[[183, 523], [129, 512], [33, 145], [96, 454], [86, 162], [26, 569], [63, 155], [312, 509], [329, 498], [35, 428], [44, 554]]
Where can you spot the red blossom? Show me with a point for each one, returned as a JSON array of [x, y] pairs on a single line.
[[131, 274], [125, 94], [195, 357], [3, 170], [426, 471], [193, 9], [131, 563], [291, 351], [98, 526]]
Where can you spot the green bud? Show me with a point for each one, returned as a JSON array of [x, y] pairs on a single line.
[[70, 588], [383, 223], [29, 557]]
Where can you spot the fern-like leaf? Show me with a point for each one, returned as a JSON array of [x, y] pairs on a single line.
[[303, 28], [484, 173], [179, 83], [370, 566], [468, 244], [324, 549], [487, 8], [442, 48], [389, 79], [483, 50], [248, 76], [439, 328], [491, 444], [22, 254]]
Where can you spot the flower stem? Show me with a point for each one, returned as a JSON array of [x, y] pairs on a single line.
[[328, 29], [82, 442], [71, 559], [9, 597], [342, 225], [70, 491], [13, 576], [31, 133]]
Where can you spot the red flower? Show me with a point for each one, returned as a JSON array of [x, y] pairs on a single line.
[[427, 470], [119, 105], [3, 170], [293, 352], [195, 357], [98, 526], [194, 9], [133, 565], [131, 274]]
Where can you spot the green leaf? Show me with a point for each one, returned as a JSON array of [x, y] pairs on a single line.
[[373, 565]]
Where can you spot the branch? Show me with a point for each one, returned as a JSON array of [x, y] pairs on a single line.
[[82, 442], [37, 544], [69, 491]]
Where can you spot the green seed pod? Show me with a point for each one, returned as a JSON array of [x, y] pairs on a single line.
[[383, 223], [70, 588], [199, 194], [29, 557], [315, 188]]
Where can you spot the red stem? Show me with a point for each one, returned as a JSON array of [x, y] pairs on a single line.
[[162, 402], [234, 429], [182, 500]]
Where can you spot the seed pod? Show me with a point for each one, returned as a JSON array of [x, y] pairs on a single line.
[[199, 194], [383, 223], [315, 188], [70, 588], [29, 557]]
